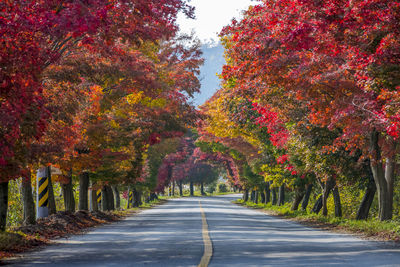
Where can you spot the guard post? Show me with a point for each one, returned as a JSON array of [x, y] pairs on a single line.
[[42, 193], [98, 197]]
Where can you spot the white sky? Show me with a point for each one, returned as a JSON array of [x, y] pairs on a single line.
[[212, 16]]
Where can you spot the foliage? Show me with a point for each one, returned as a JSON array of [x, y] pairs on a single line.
[[222, 188]]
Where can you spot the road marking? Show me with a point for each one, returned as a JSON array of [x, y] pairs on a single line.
[[208, 249]]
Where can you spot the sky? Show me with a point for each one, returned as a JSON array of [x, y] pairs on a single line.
[[212, 16]]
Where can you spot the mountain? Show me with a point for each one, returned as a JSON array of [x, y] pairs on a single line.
[[214, 60]]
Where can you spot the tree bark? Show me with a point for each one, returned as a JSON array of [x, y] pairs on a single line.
[[267, 193], [262, 196], [104, 199], [3, 205], [180, 189], [256, 196], [246, 195], [252, 196], [117, 197], [153, 196], [338, 204], [363, 210], [297, 199], [274, 198], [318, 205], [83, 190], [281, 197], [191, 189], [173, 188], [137, 201], [52, 201], [390, 166], [306, 198], [202, 189], [93, 202], [68, 194], [110, 197], [93, 197], [329, 184], [385, 203], [28, 204]]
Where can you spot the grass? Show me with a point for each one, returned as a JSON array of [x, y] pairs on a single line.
[[373, 228]]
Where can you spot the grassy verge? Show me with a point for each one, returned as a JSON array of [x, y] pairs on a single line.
[[371, 228], [25, 238]]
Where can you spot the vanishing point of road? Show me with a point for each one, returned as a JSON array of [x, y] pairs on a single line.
[[210, 231]]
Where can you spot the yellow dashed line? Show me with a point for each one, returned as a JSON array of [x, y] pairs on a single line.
[[208, 250]]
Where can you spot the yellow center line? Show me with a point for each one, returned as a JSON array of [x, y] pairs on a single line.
[[208, 249]]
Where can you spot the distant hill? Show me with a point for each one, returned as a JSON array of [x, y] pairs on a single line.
[[214, 60]]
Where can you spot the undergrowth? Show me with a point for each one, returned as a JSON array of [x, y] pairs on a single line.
[[387, 230]]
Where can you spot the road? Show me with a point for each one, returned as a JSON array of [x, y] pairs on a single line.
[[173, 234]]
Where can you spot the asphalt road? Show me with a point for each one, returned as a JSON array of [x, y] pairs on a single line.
[[172, 235]]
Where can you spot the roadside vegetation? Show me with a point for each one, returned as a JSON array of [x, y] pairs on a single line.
[[371, 228]]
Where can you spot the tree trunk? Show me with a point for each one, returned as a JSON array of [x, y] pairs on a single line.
[[110, 198], [262, 196], [137, 202], [267, 193], [93, 197], [3, 205], [246, 195], [306, 198], [256, 196], [318, 205], [202, 189], [191, 189], [252, 196], [173, 188], [180, 189], [52, 201], [297, 199], [329, 184], [27, 198], [274, 198], [83, 190], [382, 185], [363, 210], [390, 166], [104, 199], [68, 194], [281, 197], [93, 200], [117, 197], [153, 196], [338, 204]]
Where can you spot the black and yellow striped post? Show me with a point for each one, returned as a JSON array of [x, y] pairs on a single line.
[[98, 196], [42, 193], [170, 190]]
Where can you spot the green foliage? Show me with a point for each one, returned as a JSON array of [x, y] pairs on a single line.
[[211, 187], [371, 227], [15, 213], [222, 188]]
